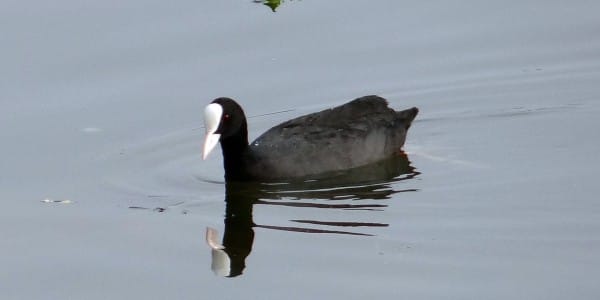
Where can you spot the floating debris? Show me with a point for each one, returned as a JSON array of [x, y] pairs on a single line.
[[138, 207], [57, 201], [158, 209]]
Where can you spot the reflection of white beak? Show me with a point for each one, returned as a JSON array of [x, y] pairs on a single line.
[[221, 263], [212, 118]]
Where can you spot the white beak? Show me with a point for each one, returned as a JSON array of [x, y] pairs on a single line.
[[212, 118]]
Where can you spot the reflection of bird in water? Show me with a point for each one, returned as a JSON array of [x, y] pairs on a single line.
[[337, 191], [237, 239]]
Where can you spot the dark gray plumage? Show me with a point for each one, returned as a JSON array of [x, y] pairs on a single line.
[[358, 133]]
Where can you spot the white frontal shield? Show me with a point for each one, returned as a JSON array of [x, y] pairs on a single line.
[[212, 118]]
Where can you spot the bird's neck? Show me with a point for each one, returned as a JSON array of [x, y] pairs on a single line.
[[234, 148]]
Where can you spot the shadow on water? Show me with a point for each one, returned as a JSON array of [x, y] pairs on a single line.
[[358, 189]]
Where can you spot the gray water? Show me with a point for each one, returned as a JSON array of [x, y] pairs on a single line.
[[102, 106]]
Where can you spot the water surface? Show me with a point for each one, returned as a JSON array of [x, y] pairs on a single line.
[[101, 105]]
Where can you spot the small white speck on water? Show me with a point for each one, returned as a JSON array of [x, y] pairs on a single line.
[[91, 130]]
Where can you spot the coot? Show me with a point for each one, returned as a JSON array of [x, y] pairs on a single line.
[[358, 133]]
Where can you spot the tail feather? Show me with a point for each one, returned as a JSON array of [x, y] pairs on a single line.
[[407, 116]]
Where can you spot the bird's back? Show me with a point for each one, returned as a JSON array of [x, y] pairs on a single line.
[[357, 133]]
